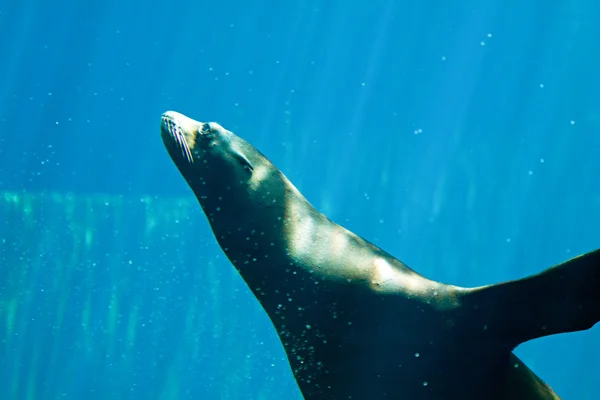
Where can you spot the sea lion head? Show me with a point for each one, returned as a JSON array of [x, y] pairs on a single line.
[[205, 152], [234, 183]]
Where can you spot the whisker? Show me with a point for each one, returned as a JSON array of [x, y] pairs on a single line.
[[179, 139]]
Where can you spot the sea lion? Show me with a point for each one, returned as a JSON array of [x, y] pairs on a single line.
[[355, 322]]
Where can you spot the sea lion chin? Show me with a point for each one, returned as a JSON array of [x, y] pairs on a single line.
[[355, 322]]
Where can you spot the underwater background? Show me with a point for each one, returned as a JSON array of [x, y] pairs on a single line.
[[462, 137]]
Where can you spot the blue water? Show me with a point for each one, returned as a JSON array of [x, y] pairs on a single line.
[[462, 137]]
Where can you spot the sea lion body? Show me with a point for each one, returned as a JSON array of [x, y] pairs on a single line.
[[355, 322]]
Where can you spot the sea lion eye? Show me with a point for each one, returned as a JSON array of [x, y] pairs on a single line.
[[206, 129]]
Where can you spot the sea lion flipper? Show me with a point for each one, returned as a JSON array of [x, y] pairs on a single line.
[[523, 384], [563, 298]]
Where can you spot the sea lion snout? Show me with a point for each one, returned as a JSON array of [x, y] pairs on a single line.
[[181, 120], [180, 132]]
